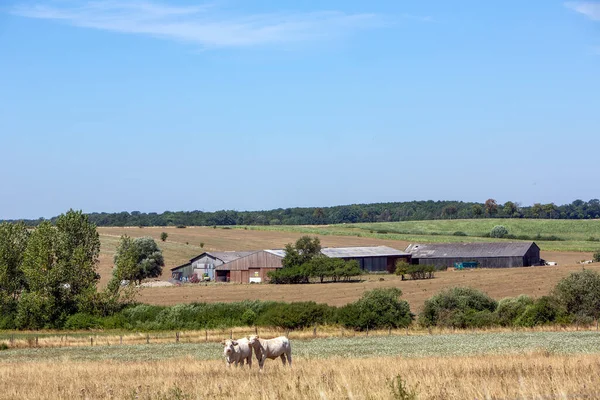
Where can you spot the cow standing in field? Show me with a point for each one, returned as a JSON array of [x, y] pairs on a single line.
[[271, 348], [236, 351]]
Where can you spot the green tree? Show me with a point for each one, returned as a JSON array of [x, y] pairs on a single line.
[[579, 293], [59, 267], [510, 209], [597, 256], [305, 249], [477, 210], [402, 268], [13, 241], [164, 236], [136, 260]]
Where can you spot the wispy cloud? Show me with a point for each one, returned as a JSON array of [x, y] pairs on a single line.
[[590, 9], [204, 25]]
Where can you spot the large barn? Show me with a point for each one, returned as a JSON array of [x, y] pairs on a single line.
[[206, 263], [253, 268], [487, 255], [370, 259]]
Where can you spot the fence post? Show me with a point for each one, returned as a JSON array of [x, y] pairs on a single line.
[[256, 330], [367, 330], [342, 330], [315, 331], [389, 331], [231, 334], [121, 339], [36, 341], [147, 338], [177, 337], [91, 341], [206, 335]]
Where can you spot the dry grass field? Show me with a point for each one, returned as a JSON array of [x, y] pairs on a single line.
[[537, 375], [183, 244]]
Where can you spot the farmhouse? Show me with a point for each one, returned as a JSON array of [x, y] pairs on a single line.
[[487, 255], [206, 263]]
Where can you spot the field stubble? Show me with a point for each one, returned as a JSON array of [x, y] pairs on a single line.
[[537, 375]]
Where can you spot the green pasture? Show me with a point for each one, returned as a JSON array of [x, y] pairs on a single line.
[[587, 342], [574, 235]]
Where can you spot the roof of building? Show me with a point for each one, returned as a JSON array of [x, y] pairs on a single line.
[[277, 252], [462, 250], [225, 256], [355, 252], [181, 266]]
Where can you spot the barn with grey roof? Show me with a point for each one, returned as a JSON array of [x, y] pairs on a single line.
[[487, 255]]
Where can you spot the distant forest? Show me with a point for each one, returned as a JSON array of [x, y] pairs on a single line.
[[378, 212]]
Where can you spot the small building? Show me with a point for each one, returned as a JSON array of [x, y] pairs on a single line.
[[370, 259], [205, 263], [252, 268], [487, 255]]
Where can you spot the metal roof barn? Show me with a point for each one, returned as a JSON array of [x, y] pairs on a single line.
[[488, 255]]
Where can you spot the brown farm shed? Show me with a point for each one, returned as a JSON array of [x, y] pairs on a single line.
[[251, 268]]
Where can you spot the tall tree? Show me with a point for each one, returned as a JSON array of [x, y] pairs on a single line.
[[13, 241], [59, 267], [510, 209], [136, 260], [305, 249], [491, 207]]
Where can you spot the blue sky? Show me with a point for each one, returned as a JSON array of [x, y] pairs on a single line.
[[189, 105]]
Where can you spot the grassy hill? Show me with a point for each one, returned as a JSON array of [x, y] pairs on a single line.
[[567, 235]]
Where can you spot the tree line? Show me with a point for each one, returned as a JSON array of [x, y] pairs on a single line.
[[377, 212]]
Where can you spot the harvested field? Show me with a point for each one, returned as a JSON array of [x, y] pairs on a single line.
[[535, 365], [498, 283]]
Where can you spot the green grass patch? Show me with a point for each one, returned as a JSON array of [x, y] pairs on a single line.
[[549, 234], [350, 347]]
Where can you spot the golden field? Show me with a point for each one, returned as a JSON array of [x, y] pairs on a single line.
[[538, 375]]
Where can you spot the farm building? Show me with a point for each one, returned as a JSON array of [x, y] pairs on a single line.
[[252, 268], [370, 259], [205, 263], [487, 255]]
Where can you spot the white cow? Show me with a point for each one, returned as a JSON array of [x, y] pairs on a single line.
[[271, 348], [236, 351]]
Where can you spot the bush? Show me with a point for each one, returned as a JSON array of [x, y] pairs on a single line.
[[379, 308], [81, 321], [511, 308], [597, 256], [454, 308], [296, 315], [249, 317], [544, 310], [499, 231], [459, 233], [579, 294], [36, 311], [164, 236]]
